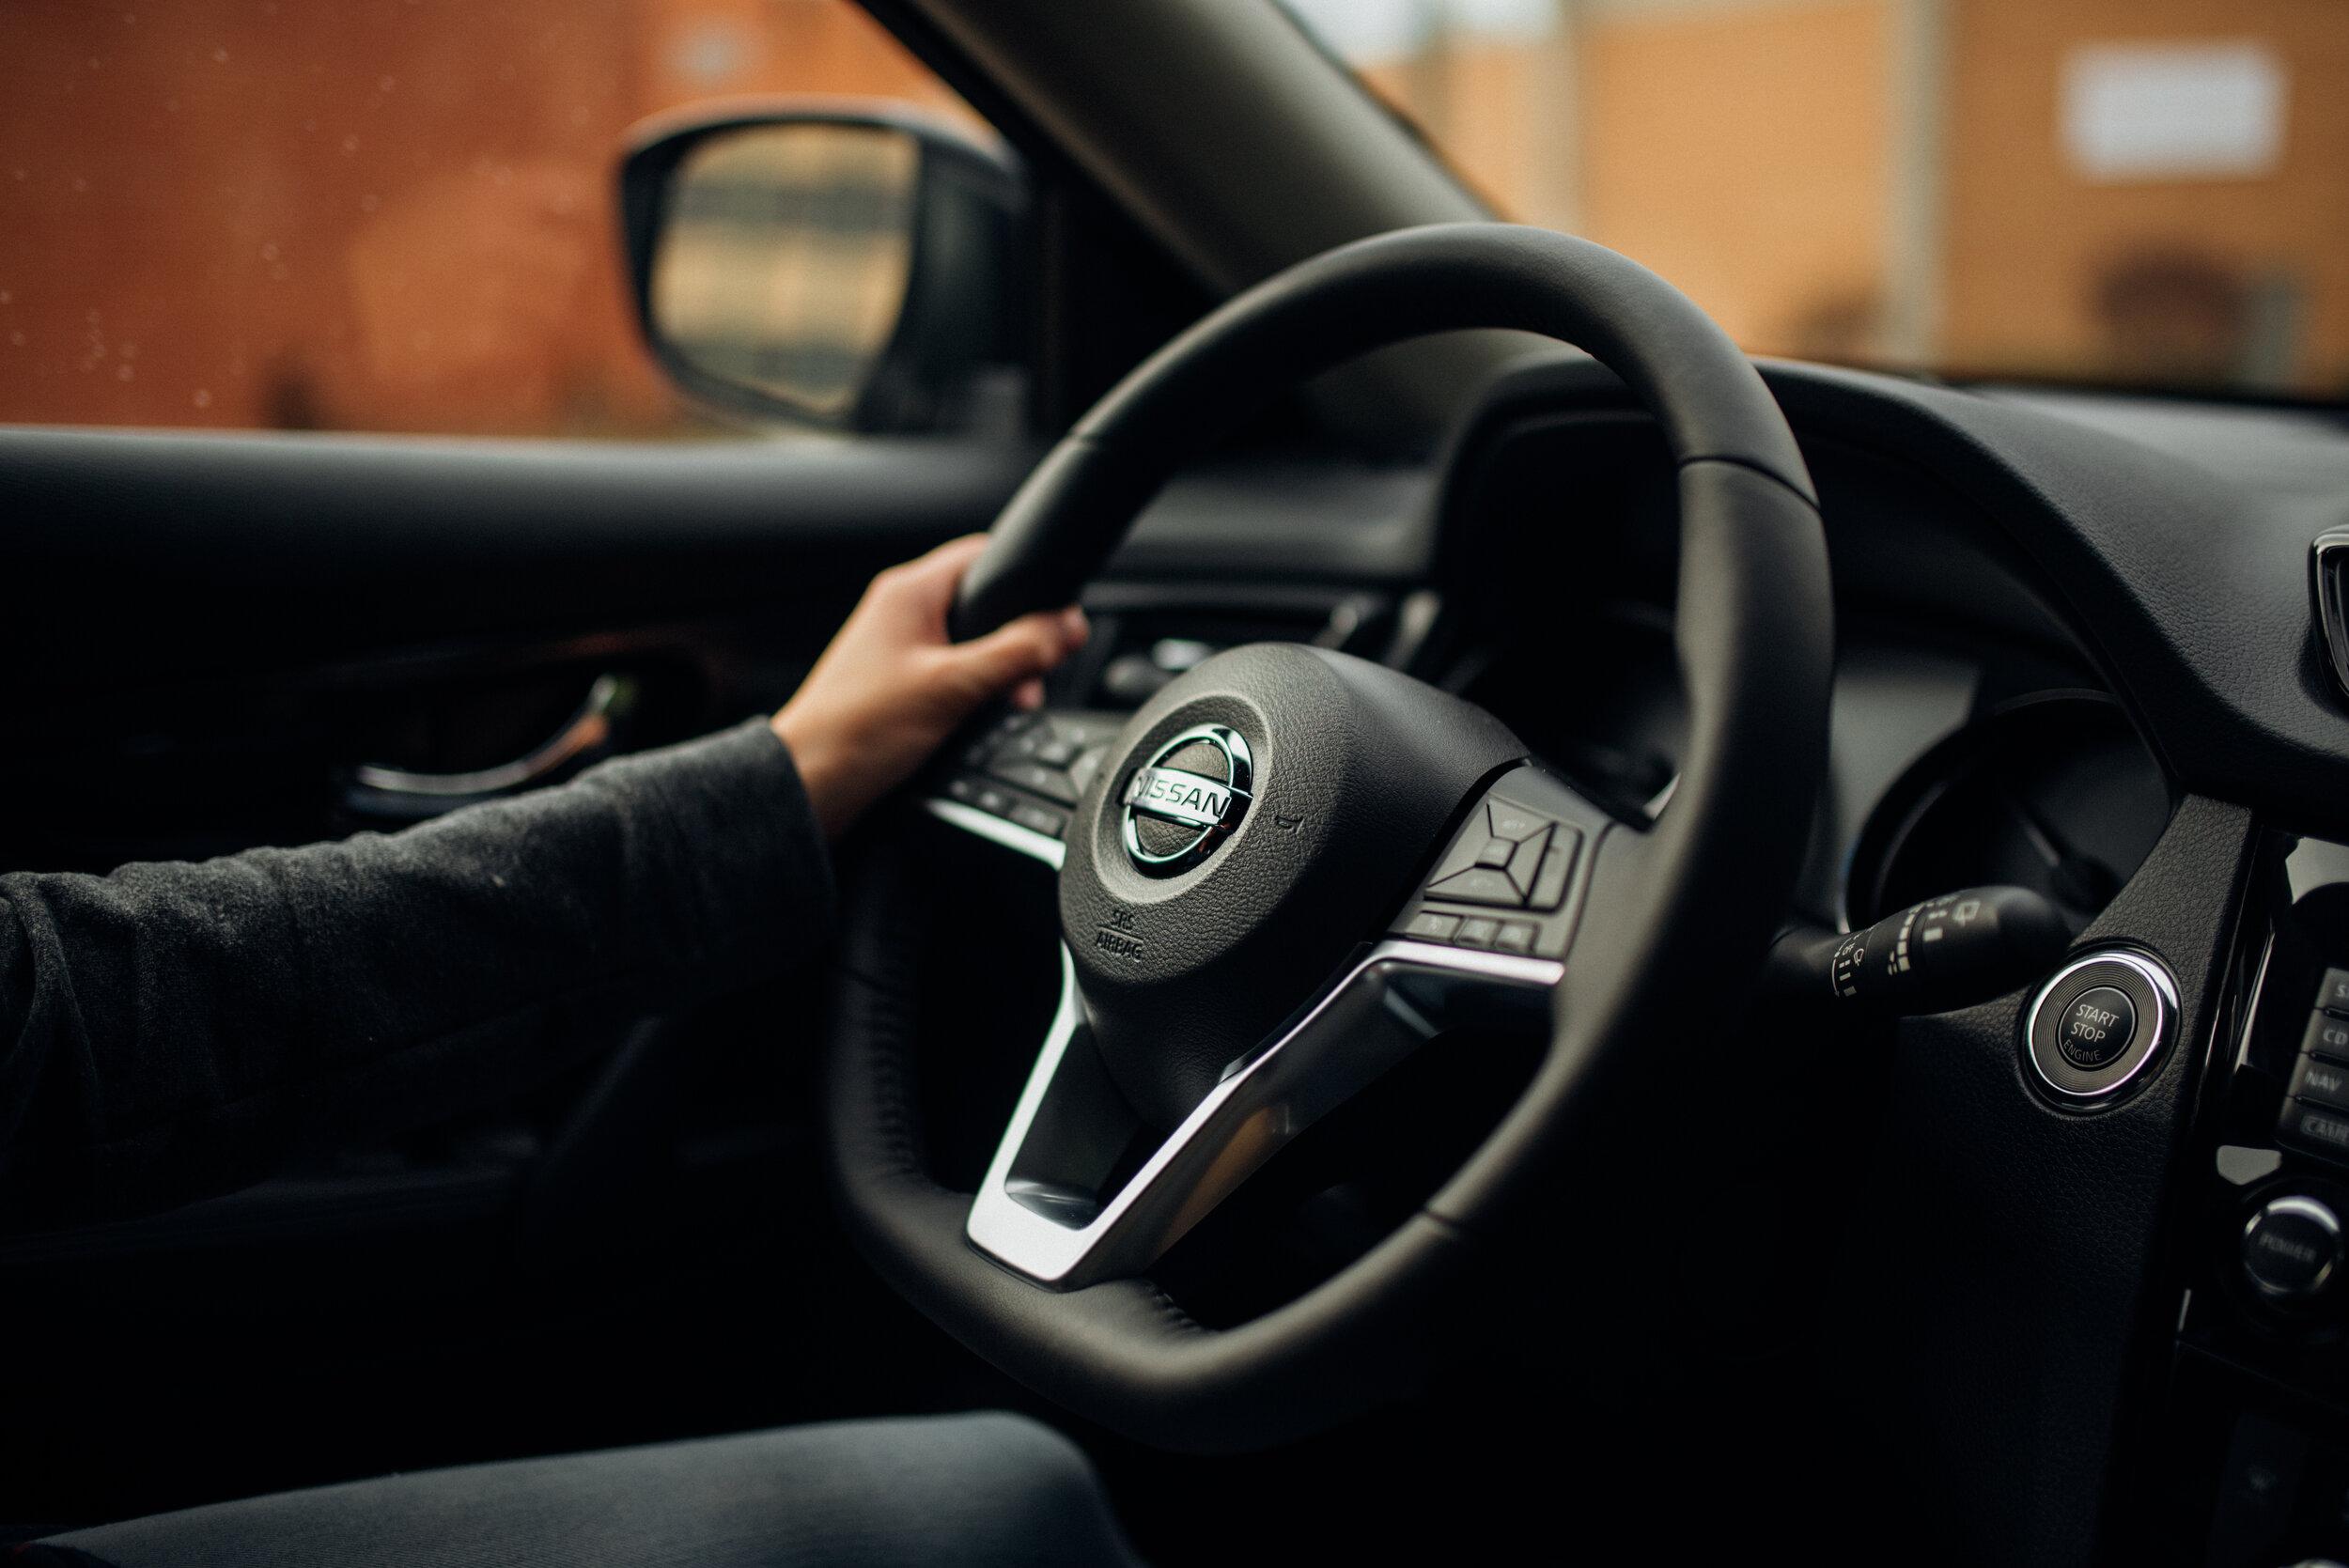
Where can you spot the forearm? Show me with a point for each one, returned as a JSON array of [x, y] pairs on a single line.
[[173, 1030]]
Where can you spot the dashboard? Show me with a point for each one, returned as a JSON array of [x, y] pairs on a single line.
[[2076, 655]]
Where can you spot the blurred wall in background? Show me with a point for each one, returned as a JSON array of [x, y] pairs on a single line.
[[360, 214], [398, 214], [2147, 192]]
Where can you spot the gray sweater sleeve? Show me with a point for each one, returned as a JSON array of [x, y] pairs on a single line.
[[172, 1032]]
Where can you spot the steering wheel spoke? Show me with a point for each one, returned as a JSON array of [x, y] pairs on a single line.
[[1071, 1198]]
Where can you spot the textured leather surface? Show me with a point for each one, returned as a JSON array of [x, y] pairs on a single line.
[[2001, 1248], [1071, 512]]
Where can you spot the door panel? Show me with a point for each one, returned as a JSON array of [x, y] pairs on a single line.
[[211, 634]]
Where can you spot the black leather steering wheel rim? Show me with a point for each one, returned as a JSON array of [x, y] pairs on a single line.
[[1697, 893]]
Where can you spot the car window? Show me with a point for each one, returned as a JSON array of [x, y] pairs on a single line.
[[2086, 190], [396, 215]]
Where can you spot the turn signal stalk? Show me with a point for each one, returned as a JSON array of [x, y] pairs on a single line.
[[1945, 952]]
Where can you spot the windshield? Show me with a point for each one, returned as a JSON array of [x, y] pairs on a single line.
[[2081, 191]]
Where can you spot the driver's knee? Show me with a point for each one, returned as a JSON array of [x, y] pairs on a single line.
[[1004, 1488], [966, 1490]]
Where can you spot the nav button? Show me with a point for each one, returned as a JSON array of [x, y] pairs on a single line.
[[2321, 1081]]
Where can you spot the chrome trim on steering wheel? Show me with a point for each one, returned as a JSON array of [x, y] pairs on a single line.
[[1011, 835], [1382, 1009]]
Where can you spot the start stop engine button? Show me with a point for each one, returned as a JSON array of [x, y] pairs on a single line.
[[2097, 1027], [2097, 1024]]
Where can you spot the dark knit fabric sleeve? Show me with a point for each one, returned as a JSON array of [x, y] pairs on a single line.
[[172, 1032]]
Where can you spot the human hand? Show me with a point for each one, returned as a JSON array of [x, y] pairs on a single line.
[[890, 686]]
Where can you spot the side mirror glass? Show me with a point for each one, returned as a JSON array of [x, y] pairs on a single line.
[[845, 269]]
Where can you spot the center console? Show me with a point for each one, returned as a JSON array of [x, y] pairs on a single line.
[[2252, 1444]]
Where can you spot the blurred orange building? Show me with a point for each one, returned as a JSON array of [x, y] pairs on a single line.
[[360, 214], [1903, 181], [399, 215]]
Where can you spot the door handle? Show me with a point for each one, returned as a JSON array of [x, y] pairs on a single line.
[[380, 791]]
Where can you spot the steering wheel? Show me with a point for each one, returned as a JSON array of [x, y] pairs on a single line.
[[1296, 866]]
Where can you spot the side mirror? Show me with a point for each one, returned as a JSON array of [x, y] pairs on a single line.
[[845, 267]]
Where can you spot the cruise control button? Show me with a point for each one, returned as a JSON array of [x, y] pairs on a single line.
[[2097, 1027], [1515, 937], [2334, 993], [1479, 885], [1430, 927], [2327, 1036], [2314, 1128], [2321, 1081], [1549, 885]]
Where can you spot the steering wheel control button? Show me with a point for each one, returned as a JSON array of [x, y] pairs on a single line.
[[2291, 1248], [1030, 767], [1525, 862], [1039, 819], [1191, 796], [2096, 1026], [1520, 855], [1429, 927], [1512, 822], [1479, 885], [1549, 883], [2321, 1082], [2326, 1036], [2333, 994], [1051, 782]]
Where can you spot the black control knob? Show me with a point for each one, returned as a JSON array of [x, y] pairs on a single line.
[[2291, 1248]]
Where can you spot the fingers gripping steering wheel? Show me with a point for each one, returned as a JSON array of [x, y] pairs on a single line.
[[1266, 888]]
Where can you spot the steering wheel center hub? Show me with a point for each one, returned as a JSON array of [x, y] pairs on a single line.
[[1267, 803]]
